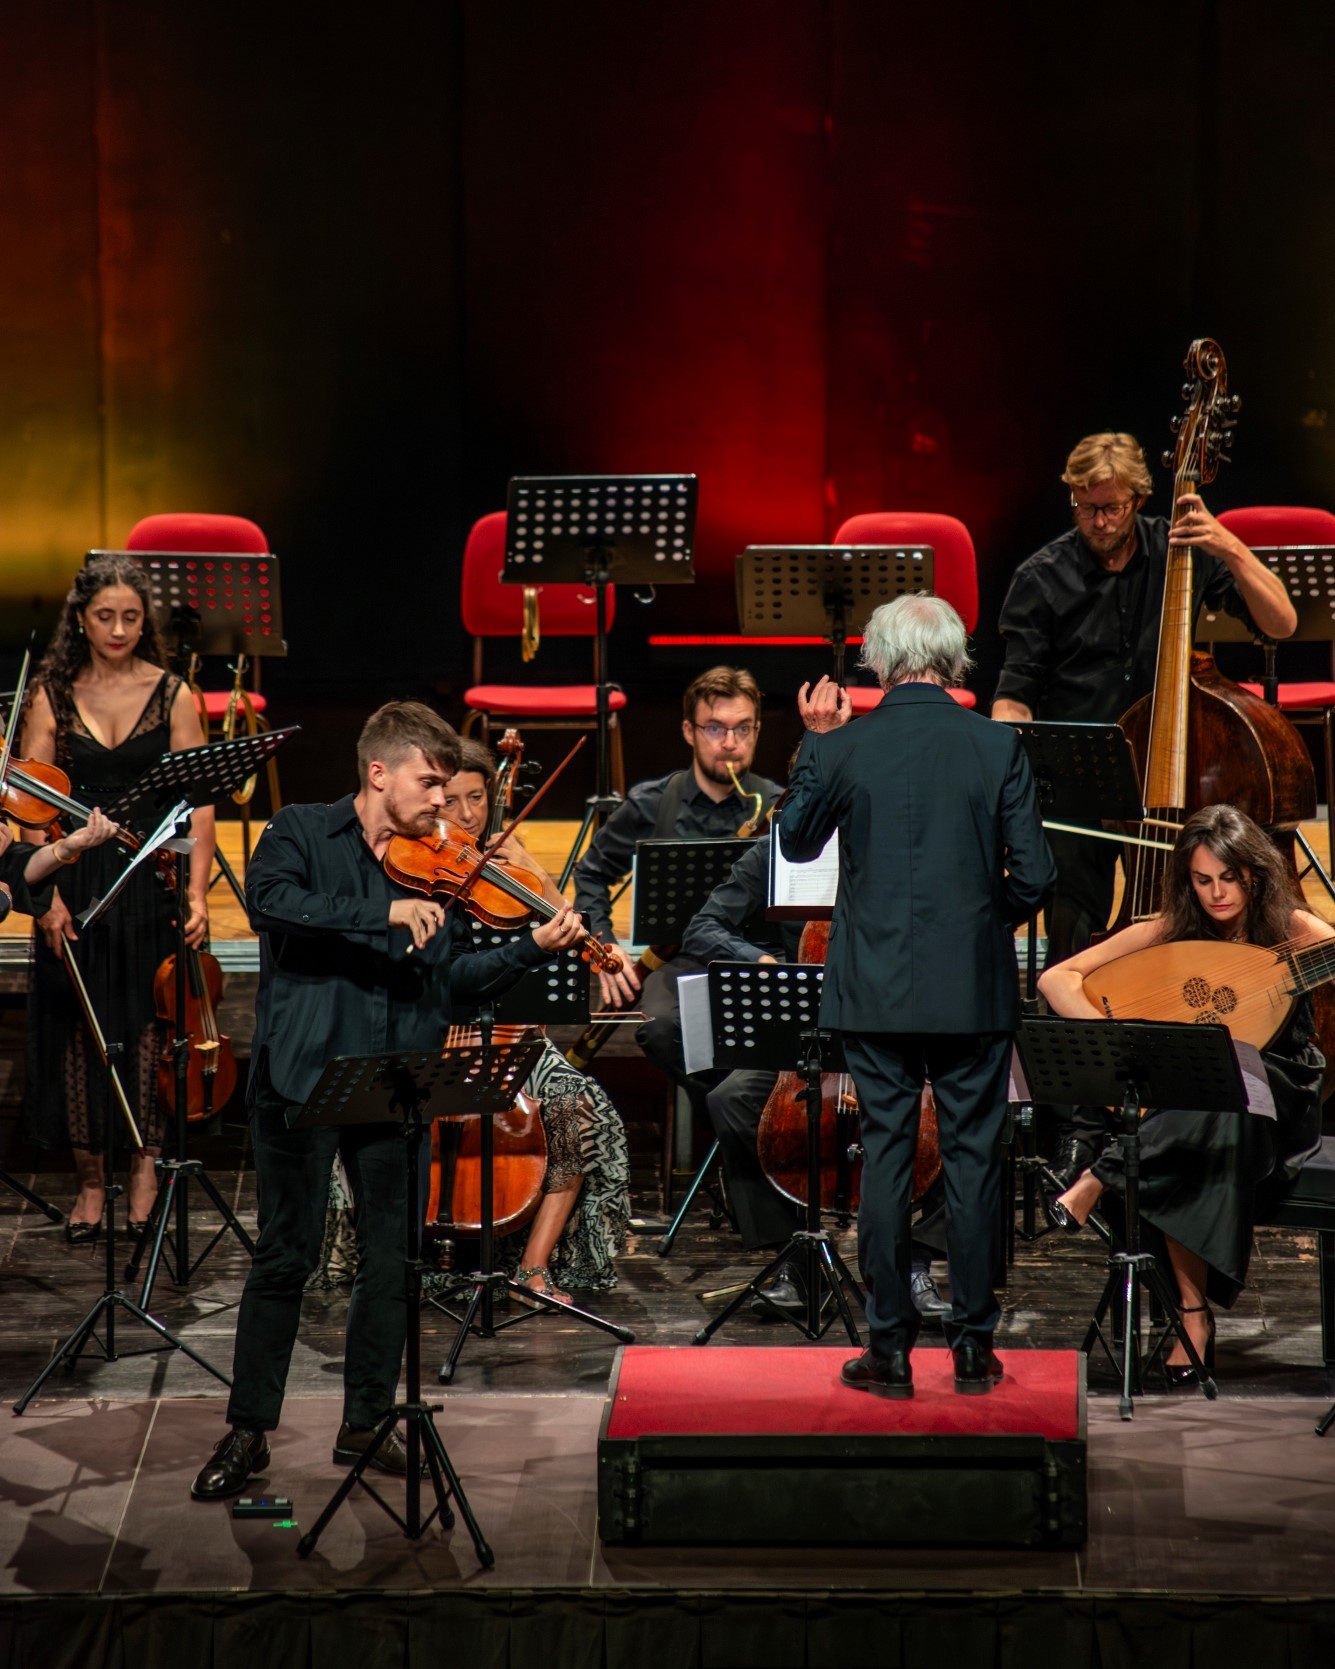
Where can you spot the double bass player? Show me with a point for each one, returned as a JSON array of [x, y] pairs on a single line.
[[1080, 626]]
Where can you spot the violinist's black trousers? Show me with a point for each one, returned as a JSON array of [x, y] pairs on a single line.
[[970, 1076], [292, 1169]]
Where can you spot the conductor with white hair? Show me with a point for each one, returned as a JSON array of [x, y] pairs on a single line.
[[941, 855]]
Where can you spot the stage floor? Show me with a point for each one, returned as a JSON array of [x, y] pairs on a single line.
[[1234, 1498], [1231, 1497]]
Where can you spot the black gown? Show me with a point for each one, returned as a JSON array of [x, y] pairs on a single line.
[[1207, 1178], [65, 1099]]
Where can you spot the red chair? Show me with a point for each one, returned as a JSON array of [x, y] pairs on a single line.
[[955, 578], [222, 713], [1311, 703], [490, 609]]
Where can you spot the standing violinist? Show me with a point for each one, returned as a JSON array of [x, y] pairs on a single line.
[[583, 1216], [941, 853], [103, 709], [721, 726], [1081, 629], [348, 965]]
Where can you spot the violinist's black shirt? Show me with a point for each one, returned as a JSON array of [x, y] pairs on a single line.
[[335, 977], [1081, 643]]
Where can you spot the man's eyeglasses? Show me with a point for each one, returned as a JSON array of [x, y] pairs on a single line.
[[1109, 512], [716, 732]]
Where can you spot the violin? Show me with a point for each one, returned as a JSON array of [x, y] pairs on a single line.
[[781, 1141], [502, 892], [211, 1067], [35, 795]]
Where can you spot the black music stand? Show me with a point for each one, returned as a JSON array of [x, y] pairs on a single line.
[[819, 590], [671, 880], [199, 776], [478, 1316], [111, 1298], [1135, 1064], [410, 1090], [766, 1017], [217, 603], [600, 531], [1084, 777]]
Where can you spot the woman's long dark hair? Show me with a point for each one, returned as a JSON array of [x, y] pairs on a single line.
[[68, 653], [1231, 837]]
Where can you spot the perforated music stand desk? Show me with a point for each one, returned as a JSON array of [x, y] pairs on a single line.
[[599, 530], [557, 994], [201, 775], [1135, 1064], [825, 591], [670, 881], [215, 602], [410, 1090], [1308, 572], [766, 1017]]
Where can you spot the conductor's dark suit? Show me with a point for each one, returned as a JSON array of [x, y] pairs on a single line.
[[941, 854]]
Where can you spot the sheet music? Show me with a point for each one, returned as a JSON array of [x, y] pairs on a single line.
[[697, 1023], [806, 889]]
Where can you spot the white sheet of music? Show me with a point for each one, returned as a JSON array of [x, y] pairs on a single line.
[[697, 1023], [803, 887]]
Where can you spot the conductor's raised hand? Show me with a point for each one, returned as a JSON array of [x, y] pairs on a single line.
[[423, 918], [563, 930], [825, 707]]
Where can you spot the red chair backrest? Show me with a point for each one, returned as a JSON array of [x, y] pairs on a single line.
[[1280, 524], [188, 530], [490, 609], [956, 565]]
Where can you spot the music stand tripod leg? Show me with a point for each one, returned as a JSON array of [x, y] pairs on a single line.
[[416, 1414], [44, 1206]]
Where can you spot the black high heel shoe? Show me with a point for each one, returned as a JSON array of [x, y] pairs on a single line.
[[1061, 1218], [82, 1234], [1181, 1375]]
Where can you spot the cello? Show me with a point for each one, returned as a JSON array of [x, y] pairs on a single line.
[[781, 1140], [1200, 739], [519, 1142]]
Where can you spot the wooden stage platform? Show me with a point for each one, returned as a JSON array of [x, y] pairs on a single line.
[[1210, 1525]]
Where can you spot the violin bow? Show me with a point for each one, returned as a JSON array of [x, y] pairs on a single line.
[[11, 729], [462, 893]]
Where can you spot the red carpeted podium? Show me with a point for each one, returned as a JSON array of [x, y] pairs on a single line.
[[740, 1445]]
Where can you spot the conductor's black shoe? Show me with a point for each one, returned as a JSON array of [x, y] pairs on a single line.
[[1074, 1154], [236, 1459], [928, 1302], [786, 1289], [883, 1376], [391, 1456], [977, 1368]]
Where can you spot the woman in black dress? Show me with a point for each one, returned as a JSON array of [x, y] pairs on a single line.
[[105, 711], [1200, 1171]]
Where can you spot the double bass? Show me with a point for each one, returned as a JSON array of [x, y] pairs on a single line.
[[1199, 739]]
